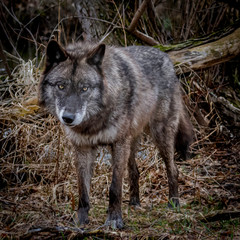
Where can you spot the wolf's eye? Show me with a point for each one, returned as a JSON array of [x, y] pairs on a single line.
[[61, 86], [85, 89]]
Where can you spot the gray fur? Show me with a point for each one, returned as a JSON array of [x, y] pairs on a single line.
[[108, 95]]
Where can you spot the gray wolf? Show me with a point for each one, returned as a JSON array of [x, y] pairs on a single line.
[[106, 95]]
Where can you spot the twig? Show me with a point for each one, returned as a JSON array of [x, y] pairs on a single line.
[[59, 26], [23, 27], [58, 156], [109, 31], [124, 32], [153, 17], [3, 57], [83, 17], [9, 39]]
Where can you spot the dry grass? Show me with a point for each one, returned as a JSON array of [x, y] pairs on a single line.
[[38, 195]]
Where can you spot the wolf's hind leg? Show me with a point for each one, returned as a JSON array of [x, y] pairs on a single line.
[[184, 137], [84, 160], [133, 176], [164, 136]]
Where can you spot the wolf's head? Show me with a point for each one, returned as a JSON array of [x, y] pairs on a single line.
[[72, 85]]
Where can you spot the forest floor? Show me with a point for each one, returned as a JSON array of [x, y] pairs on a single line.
[[209, 191], [38, 185]]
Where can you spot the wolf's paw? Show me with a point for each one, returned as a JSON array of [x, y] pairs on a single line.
[[114, 224], [114, 221], [81, 217], [135, 202]]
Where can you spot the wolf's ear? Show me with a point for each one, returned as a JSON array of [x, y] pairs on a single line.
[[54, 55], [96, 56]]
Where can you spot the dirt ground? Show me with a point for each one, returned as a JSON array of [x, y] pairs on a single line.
[[37, 200]]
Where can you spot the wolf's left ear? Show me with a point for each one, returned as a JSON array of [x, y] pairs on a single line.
[[54, 55], [96, 56]]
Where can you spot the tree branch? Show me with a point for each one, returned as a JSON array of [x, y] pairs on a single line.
[[132, 27], [145, 38], [137, 15]]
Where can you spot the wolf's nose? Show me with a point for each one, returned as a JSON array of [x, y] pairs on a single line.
[[68, 118]]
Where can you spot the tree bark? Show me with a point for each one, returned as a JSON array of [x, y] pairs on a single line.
[[89, 14]]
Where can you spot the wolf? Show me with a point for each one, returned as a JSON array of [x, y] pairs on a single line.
[[106, 95]]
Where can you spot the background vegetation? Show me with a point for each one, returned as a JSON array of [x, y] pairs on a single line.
[[38, 189]]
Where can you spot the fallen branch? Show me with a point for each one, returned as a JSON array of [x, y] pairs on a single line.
[[227, 109]]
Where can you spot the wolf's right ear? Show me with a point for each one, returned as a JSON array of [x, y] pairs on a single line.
[[54, 55], [96, 56]]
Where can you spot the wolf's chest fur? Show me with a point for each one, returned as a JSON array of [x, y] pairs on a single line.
[[105, 136]]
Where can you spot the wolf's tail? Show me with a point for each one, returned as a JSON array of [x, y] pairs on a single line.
[[184, 137]]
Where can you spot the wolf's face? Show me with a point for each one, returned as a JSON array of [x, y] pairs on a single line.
[[72, 84]]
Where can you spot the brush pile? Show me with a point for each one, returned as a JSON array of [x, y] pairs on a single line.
[[38, 187]]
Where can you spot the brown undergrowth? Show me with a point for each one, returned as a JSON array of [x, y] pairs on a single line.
[[38, 194]]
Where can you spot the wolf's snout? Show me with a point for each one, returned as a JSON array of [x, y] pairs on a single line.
[[68, 118], [71, 118]]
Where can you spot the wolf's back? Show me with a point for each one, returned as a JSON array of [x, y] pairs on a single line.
[[154, 70], [155, 64]]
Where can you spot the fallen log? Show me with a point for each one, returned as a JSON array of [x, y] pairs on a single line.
[[209, 54]]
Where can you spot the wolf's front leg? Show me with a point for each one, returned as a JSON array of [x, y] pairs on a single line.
[[120, 155], [84, 160]]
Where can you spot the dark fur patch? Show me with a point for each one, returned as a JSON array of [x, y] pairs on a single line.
[[75, 65]]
